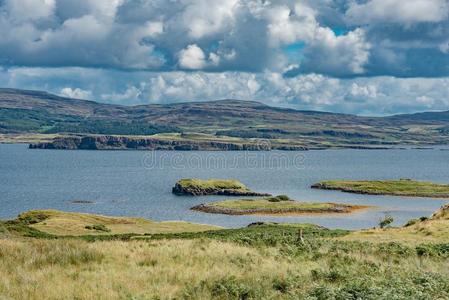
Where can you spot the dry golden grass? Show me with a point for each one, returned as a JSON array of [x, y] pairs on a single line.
[[66, 223], [254, 263], [42, 269], [432, 230]]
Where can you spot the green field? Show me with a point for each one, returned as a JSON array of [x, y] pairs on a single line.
[[402, 187]]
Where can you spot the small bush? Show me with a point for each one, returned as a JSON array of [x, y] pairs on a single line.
[[231, 288], [32, 217], [98, 227], [274, 199], [2, 228], [279, 198], [386, 221], [411, 222], [393, 249], [441, 250], [286, 284]]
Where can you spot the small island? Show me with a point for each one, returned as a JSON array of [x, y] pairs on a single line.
[[401, 187], [279, 205], [200, 187]]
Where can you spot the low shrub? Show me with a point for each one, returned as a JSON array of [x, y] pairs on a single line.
[[231, 288], [436, 250], [32, 217], [411, 222], [279, 198], [386, 221], [98, 227]]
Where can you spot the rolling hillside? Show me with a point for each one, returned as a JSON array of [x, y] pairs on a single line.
[[35, 112]]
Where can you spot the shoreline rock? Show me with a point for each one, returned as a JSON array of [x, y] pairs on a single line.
[[106, 142]]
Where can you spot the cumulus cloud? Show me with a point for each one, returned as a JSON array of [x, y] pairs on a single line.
[[340, 55], [24, 10], [75, 93], [398, 11], [337, 37], [231, 35], [204, 18], [192, 57], [368, 95], [337, 55]]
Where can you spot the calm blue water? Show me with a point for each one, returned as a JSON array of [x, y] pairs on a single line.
[[138, 183]]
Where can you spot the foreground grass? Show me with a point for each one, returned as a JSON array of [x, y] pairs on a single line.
[[265, 261], [66, 223], [209, 268], [273, 206], [403, 187]]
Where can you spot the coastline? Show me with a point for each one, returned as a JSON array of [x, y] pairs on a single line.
[[178, 143]]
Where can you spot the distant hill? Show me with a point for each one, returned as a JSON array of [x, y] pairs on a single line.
[[40, 112]]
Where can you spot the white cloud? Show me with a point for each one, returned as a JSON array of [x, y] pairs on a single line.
[[76, 93], [192, 57], [161, 35], [360, 92], [131, 93], [288, 25], [370, 95], [204, 17], [398, 11], [153, 29], [337, 55], [22, 10]]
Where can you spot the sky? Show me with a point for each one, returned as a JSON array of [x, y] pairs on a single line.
[[368, 57]]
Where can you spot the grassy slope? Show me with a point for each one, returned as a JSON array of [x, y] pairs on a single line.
[[388, 187], [64, 223], [432, 230], [37, 112], [259, 262]]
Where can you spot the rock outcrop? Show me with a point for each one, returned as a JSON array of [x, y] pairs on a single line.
[[135, 143]]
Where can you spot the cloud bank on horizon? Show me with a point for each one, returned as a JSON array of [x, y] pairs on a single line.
[[355, 56]]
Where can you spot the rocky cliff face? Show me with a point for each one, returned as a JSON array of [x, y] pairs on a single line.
[[128, 143]]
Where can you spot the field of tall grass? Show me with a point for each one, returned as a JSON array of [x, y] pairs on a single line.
[[249, 267], [264, 261]]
